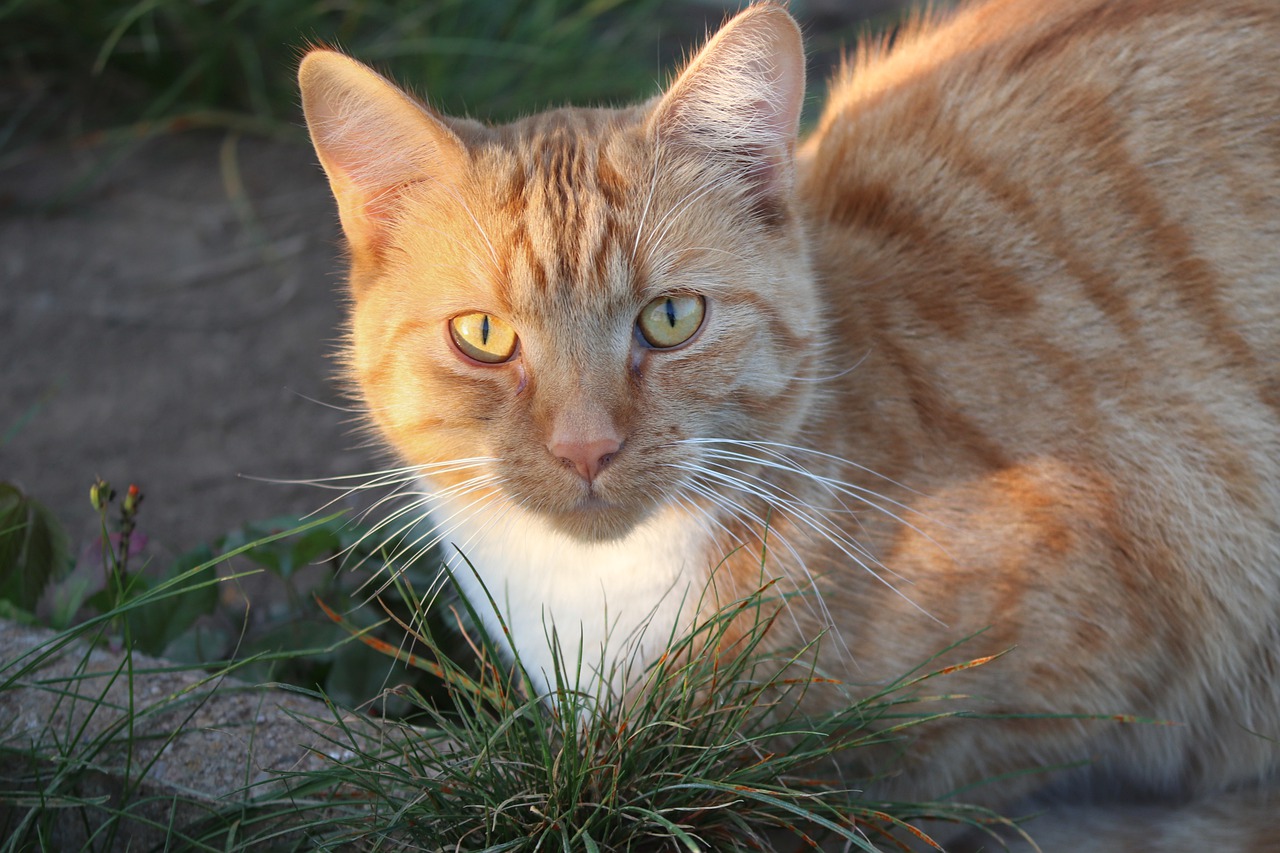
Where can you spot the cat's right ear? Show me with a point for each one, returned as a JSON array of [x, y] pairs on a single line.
[[374, 141]]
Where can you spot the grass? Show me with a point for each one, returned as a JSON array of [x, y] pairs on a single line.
[[100, 718], [711, 751], [147, 65]]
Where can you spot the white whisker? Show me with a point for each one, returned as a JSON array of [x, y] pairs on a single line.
[[438, 532], [832, 376], [644, 213], [739, 512], [722, 464]]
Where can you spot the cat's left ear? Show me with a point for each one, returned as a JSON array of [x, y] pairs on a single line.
[[739, 99]]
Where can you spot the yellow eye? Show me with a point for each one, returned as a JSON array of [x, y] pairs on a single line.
[[483, 337], [669, 321]]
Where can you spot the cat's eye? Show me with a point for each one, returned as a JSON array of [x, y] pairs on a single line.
[[669, 321], [483, 337]]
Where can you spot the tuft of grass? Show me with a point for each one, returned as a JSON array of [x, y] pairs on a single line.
[[85, 770], [709, 752]]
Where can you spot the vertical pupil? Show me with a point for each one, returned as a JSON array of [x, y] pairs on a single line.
[[484, 330], [671, 313]]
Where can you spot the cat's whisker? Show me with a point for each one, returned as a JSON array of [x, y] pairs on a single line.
[[681, 206], [797, 509], [493, 253], [402, 492], [836, 488], [694, 250], [424, 605], [463, 245], [417, 509], [676, 256], [779, 449], [833, 376], [478, 536], [344, 494], [644, 212], [760, 528], [370, 481], [421, 499], [438, 532], [702, 515], [830, 532], [373, 478], [401, 478], [409, 508], [721, 460], [360, 412]]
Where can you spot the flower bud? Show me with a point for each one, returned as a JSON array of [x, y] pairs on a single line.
[[132, 497], [100, 494]]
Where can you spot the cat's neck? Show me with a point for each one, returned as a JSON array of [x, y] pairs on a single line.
[[627, 594]]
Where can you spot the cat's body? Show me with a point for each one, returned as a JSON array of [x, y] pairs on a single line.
[[1024, 277]]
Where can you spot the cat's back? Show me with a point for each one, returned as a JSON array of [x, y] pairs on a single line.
[[1017, 63], [1098, 180], [1050, 230]]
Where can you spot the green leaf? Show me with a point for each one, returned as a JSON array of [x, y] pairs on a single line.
[[14, 613], [156, 623], [313, 546], [33, 548], [283, 557], [66, 600]]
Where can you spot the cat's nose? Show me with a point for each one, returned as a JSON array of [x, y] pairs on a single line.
[[586, 456]]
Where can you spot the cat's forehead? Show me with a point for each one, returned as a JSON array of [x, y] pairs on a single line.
[[551, 160], [584, 129], [554, 145], [561, 189]]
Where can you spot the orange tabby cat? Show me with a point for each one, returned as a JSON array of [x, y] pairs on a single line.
[[998, 345]]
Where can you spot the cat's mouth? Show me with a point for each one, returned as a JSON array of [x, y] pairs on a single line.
[[595, 519]]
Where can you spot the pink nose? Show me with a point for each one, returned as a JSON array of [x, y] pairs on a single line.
[[587, 457]]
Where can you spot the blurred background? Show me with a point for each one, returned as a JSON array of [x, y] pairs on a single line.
[[170, 271]]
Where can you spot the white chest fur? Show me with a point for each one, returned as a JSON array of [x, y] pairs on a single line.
[[611, 602]]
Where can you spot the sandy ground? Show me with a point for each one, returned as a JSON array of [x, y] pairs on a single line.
[[171, 328]]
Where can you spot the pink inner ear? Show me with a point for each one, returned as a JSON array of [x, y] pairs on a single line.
[[373, 140]]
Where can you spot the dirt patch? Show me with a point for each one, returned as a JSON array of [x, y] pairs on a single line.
[[171, 328]]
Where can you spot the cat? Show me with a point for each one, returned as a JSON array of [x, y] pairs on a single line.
[[997, 346]]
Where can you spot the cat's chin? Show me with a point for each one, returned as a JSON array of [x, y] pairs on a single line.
[[594, 519]]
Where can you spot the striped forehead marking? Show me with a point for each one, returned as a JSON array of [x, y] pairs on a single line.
[[564, 195]]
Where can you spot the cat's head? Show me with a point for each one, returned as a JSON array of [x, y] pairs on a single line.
[[576, 298]]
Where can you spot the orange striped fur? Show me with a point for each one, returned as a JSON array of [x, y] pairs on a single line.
[[996, 347]]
